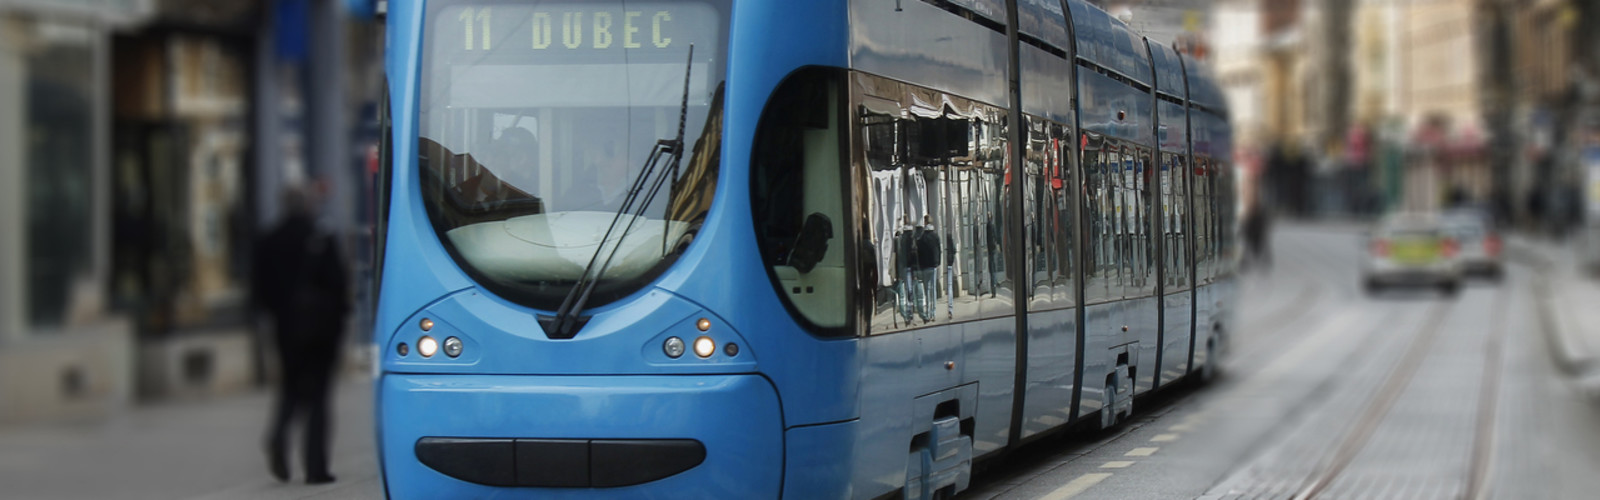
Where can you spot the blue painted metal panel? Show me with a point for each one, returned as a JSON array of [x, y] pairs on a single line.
[[990, 352], [1227, 304], [1114, 109], [1090, 27], [727, 274], [1212, 136], [1173, 136], [899, 367], [743, 439], [1142, 317], [1046, 85], [993, 10], [818, 458], [1215, 311], [1204, 316], [1043, 19], [1108, 42], [500, 337], [1203, 89], [1102, 330], [1168, 71], [416, 270], [1179, 327], [925, 45], [1133, 59], [1052, 352]]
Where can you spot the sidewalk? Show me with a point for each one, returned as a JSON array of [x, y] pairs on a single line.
[[196, 449], [1569, 306]]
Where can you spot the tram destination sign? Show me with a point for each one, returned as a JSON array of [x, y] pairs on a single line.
[[495, 30]]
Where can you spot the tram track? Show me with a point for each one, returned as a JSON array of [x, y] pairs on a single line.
[[1484, 444], [1476, 481], [1371, 416]]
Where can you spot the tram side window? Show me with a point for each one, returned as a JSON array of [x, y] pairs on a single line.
[[1174, 188], [1049, 211], [1099, 210], [989, 164], [1215, 216], [1228, 222], [1121, 179], [798, 198], [933, 205], [1221, 209], [1203, 225], [1143, 263], [1040, 234], [1063, 189]]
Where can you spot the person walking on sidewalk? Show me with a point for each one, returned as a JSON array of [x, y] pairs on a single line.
[[1257, 236], [300, 280]]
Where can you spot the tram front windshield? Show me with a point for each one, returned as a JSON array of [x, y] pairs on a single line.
[[535, 119]]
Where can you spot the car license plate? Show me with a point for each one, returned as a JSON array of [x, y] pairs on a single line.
[[1416, 252]]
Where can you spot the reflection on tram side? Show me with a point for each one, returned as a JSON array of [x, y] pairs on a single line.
[[936, 168]]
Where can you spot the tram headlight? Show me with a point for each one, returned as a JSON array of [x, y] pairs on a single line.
[[427, 346], [452, 347], [673, 347], [704, 347]]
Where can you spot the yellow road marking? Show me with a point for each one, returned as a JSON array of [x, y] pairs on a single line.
[[1117, 464], [1079, 485], [1141, 452], [1162, 438]]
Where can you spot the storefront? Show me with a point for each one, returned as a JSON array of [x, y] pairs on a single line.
[[63, 350], [143, 145]]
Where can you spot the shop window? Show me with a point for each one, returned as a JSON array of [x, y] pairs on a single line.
[[58, 141]]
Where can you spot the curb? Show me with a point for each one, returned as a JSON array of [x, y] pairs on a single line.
[[1572, 359], [1569, 353]]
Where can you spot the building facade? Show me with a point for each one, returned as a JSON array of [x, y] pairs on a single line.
[[64, 350], [146, 153]]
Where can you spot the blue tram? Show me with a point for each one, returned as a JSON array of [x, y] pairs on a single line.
[[822, 249]]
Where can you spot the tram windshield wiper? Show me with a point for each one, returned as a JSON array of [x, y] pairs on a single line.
[[569, 319]]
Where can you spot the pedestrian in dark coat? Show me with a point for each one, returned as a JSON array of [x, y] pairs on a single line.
[[1257, 235], [300, 280]]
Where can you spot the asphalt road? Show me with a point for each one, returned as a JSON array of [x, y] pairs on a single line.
[[1329, 393]]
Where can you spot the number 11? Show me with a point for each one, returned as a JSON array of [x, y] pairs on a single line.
[[482, 17]]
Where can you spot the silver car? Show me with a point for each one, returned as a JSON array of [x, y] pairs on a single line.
[[1412, 249], [1479, 242]]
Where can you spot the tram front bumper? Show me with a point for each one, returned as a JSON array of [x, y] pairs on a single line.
[[716, 436]]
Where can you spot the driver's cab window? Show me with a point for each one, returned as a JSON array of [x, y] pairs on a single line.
[[798, 192]]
